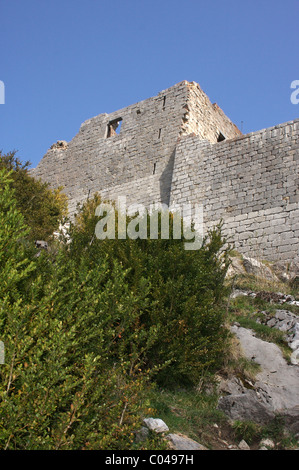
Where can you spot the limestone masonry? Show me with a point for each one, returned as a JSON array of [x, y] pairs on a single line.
[[178, 147]]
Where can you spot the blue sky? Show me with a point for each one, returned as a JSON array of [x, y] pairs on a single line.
[[65, 61]]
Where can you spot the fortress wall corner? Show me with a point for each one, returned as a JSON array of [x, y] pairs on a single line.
[[251, 183]]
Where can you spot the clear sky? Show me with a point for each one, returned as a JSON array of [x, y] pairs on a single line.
[[65, 61]]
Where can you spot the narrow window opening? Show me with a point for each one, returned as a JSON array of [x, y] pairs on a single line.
[[160, 130], [154, 171], [114, 127], [220, 137], [164, 102]]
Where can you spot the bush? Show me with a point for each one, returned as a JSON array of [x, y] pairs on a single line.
[[183, 314], [60, 387], [87, 328], [41, 207]]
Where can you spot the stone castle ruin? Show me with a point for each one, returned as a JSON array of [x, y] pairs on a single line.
[[178, 147]]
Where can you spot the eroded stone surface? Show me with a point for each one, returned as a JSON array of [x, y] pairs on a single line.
[[275, 391], [288, 323]]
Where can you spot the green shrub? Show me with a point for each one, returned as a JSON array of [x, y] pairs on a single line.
[[247, 430], [60, 386], [184, 290], [41, 207], [87, 328]]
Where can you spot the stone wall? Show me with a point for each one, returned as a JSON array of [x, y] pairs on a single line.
[[179, 147], [250, 182], [205, 119], [137, 162]]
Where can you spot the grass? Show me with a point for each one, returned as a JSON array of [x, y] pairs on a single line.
[[245, 305], [256, 284], [188, 411], [264, 332], [250, 432], [247, 430], [194, 413]]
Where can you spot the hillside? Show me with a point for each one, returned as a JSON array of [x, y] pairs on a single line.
[[100, 335]]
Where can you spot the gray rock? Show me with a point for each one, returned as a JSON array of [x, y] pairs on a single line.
[[287, 322], [255, 267], [247, 406], [180, 442], [231, 386], [275, 391], [243, 445], [236, 267], [156, 424], [239, 292], [287, 271], [295, 357], [267, 444]]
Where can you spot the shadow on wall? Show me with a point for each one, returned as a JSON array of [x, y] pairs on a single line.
[[166, 179]]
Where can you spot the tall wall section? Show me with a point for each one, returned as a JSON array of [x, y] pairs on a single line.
[[250, 182], [137, 162], [126, 163], [205, 119], [179, 147]]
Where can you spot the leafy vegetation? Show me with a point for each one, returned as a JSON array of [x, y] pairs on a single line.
[[90, 327], [41, 208], [246, 430], [188, 411]]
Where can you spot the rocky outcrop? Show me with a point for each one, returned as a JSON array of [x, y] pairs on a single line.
[[288, 323], [259, 269], [284, 271], [287, 271], [59, 145], [274, 392], [236, 267]]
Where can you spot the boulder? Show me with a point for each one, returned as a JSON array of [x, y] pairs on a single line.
[[243, 445], [181, 442], [259, 269], [287, 271], [156, 424]]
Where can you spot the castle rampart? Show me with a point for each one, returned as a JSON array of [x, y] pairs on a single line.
[[179, 147]]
